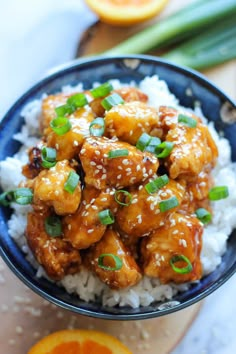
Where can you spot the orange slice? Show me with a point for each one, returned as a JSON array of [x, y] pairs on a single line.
[[126, 12], [79, 342]]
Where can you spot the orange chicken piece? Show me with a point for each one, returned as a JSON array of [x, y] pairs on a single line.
[[57, 256], [128, 275], [181, 235]]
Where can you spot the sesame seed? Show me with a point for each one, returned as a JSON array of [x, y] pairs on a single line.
[[138, 168], [120, 168], [94, 207], [125, 162], [103, 199], [134, 201], [104, 176], [119, 176], [97, 152], [175, 232], [82, 151], [96, 172], [75, 143], [90, 231], [69, 226], [92, 200], [99, 167], [57, 146], [92, 163]]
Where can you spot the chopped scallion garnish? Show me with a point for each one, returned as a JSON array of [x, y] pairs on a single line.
[[102, 90], [72, 182], [168, 204], [219, 192], [118, 153], [23, 196], [97, 127], [63, 110], [152, 145], [48, 157], [203, 215], [6, 198], [77, 101], [60, 125], [164, 149], [111, 101], [186, 120], [143, 141], [157, 184], [53, 226], [181, 258], [123, 197], [106, 217], [116, 259]]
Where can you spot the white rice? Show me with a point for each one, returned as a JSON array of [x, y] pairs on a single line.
[[87, 285]]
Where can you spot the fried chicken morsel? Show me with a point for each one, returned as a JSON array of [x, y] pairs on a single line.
[[84, 228], [143, 215], [49, 190], [128, 121], [111, 243], [57, 256], [181, 235], [101, 170], [194, 149]]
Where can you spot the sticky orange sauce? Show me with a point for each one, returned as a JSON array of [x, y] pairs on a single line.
[[87, 347]]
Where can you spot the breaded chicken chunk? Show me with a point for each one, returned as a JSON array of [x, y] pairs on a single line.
[[69, 144], [84, 227], [111, 243], [128, 121], [143, 215], [57, 256], [101, 170], [180, 236], [49, 189]]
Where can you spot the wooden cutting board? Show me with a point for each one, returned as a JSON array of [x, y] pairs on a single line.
[[26, 317]]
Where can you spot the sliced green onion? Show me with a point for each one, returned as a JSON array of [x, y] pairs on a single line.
[[102, 90], [168, 204], [157, 184], [153, 144], [118, 261], [72, 182], [143, 141], [6, 198], [164, 149], [53, 226], [203, 215], [123, 194], [118, 153], [111, 101], [219, 192], [48, 157], [78, 100], [186, 120], [178, 258], [63, 110], [97, 127], [23, 196], [60, 125], [106, 217]]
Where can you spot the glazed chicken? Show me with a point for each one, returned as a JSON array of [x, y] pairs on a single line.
[[132, 212], [56, 255], [101, 170], [181, 235], [49, 190], [129, 274]]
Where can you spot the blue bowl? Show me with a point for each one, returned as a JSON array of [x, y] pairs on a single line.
[[125, 68]]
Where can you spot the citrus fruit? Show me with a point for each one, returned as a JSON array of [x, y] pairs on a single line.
[[126, 12], [79, 342]]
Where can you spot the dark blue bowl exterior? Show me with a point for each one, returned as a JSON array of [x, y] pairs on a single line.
[[125, 68]]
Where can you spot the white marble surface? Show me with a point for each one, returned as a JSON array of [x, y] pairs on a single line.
[[40, 34]]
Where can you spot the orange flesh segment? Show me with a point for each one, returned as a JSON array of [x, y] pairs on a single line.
[[87, 347]]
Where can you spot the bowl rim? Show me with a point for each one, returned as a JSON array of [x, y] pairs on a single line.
[[58, 71]]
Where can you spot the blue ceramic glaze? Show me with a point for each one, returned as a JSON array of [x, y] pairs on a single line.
[[125, 68]]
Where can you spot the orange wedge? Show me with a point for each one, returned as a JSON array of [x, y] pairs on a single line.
[[126, 12], [79, 342]]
